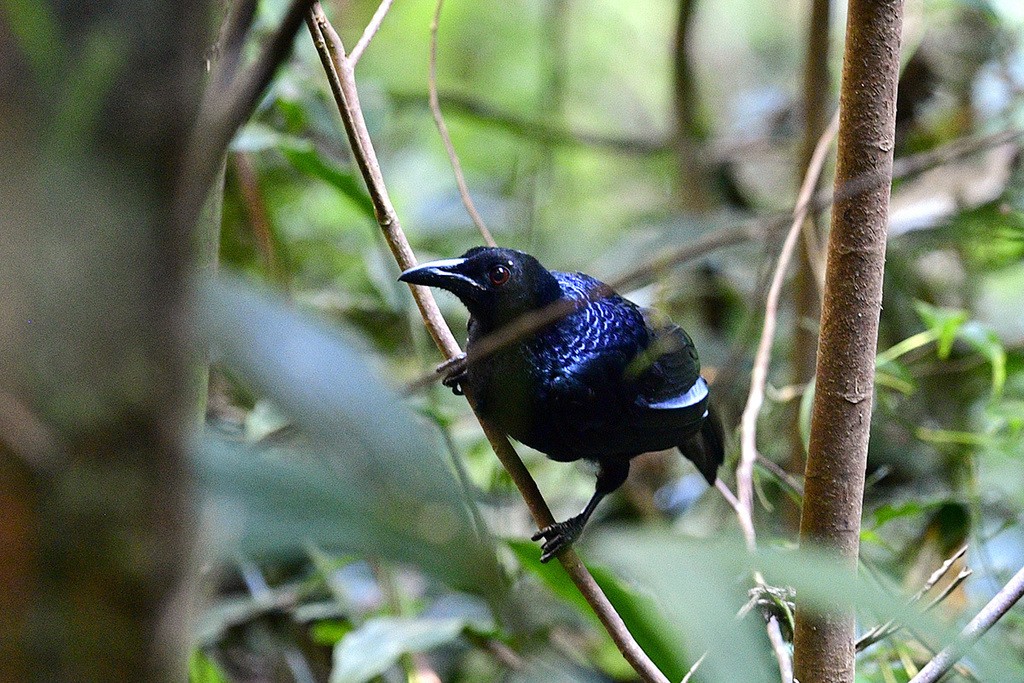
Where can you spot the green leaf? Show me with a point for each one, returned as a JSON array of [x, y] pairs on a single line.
[[329, 632], [944, 323], [374, 647], [638, 610], [202, 669], [369, 478], [987, 343], [887, 513], [305, 157]]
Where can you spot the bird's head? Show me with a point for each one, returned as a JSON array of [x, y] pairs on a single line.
[[496, 285]]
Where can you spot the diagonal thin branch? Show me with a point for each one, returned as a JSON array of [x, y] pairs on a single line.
[[446, 138], [693, 669], [883, 631], [340, 74], [221, 114], [759, 375], [370, 32], [996, 608]]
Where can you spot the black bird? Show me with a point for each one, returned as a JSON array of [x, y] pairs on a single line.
[[605, 383]]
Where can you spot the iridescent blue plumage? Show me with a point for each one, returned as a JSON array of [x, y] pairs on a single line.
[[605, 383]]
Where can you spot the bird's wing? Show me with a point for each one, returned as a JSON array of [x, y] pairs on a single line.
[[669, 370]]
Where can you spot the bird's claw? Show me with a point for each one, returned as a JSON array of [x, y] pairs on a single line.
[[454, 371], [558, 537]]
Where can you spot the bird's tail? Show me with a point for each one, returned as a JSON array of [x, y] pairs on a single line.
[[706, 448]]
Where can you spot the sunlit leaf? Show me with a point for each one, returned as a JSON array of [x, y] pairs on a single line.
[[202, 669], [944, 323], [987, 343]]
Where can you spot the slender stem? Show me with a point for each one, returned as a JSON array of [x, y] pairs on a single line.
[[370, 32], [446, 138], [759, 375], [996, 608], [781, 650], [342, 80], [693, 669]]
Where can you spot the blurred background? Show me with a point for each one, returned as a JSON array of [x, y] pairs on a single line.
[[355, 524]]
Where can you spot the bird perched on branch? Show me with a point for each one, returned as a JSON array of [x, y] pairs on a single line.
[[603, 380]]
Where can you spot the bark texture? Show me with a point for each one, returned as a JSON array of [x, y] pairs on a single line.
[[95, 394], [841, 418]]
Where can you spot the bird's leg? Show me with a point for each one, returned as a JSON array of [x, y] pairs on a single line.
[[454, 371], [561, 535]]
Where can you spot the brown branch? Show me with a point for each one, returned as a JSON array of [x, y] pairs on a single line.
[[694, 189], [446, 138], [259, 219], [996, 608], [759, 374], [370, 32], [834, 480], [221, 114], [542, 131], [340, 74]]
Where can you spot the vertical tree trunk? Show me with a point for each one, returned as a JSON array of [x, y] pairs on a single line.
[[841, 419], [97, 102], [695, 190], [817, 96]]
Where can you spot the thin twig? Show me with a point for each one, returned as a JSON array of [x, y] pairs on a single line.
[[759, 375], [259, 219], [998, 606], [743, 502], [446, 138], [340, 74], [785, 478], [693, 669], [883, 631], [543, 132], [781, 649], [370, 32]]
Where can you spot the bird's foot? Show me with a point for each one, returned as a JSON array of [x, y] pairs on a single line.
[[454, 371], [559, 536]]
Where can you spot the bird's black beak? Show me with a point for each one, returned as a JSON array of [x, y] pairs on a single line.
[[446, 274]]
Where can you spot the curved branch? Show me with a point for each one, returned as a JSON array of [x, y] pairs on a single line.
[[759, 375], [446, 138], [340, 74]]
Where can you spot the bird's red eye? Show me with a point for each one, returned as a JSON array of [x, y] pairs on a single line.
[[499, 275]]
